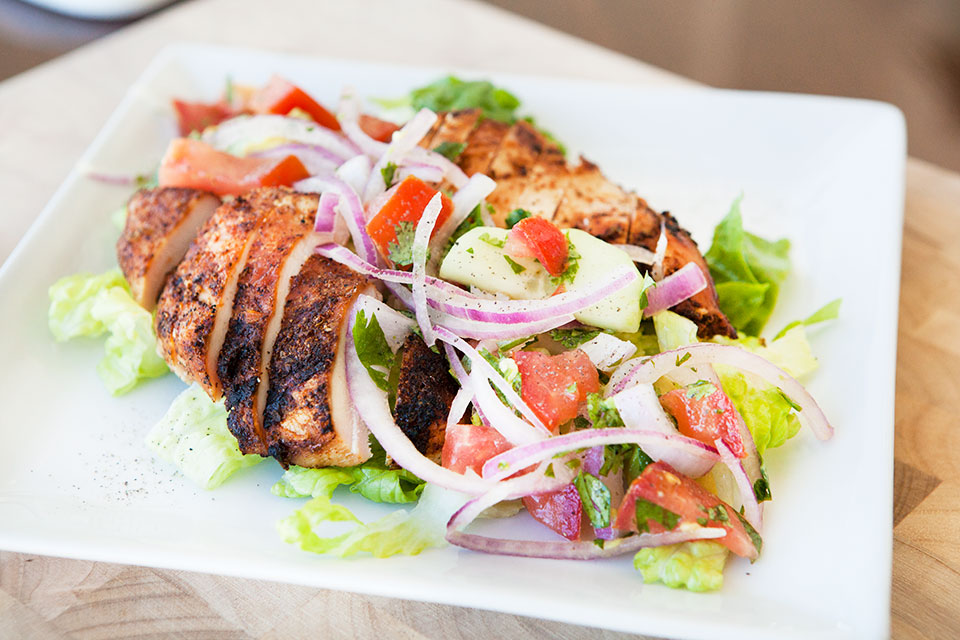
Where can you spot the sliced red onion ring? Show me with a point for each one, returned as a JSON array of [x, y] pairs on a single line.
[[112, 178], [421, 240], [605, 351], [649, 369], [316, 159], [455, 365], [493, 331], [679, 449], [478, 362], [354, 216], [502, 418], [451, 299], [404, 140], [641, 255], [465, 200], [675, 288], [751, 508], [371, 404], [656, 269], [425, 172], [396, 326], [639, 408], [244, 131], [349, 117], [355, 172], [326, 212], [460, 403], [451, 172]]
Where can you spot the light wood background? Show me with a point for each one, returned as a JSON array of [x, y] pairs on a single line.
[[43, 597]]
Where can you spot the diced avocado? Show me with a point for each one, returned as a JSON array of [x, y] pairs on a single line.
[[598, 261], [475, 259]]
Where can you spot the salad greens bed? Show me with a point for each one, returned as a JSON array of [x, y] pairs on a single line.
[[193, 435]]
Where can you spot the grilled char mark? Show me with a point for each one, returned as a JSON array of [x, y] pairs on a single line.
[[482, 145], [308, 419], [424, 394], [195, 304], [283, 241], [161, 223], [703, 308]]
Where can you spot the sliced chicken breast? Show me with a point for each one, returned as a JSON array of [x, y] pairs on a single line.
[[194, 308], [309, 418], [284, 240], [482, 145], [425, 392], [161, 223]]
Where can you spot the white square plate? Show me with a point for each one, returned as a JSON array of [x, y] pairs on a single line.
[[77, 481]]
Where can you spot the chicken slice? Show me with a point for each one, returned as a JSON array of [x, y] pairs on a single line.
[[425, 392], [161, 224], [284, 240], [482, 145], [455, 127], [592, 203], [196, 302], [703, 308], [309, 418]]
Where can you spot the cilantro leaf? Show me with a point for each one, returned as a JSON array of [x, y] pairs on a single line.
[[648, 511], [573, 338], [516, 216], [603, 413], [493, 242], [452, 93], [401, 251], [388, 172], [372, 349], [517, 267], [472, 221], [450, 150], [595, 497], [573, 265]]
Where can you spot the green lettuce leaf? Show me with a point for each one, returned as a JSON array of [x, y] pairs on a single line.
[[829, 311], [765, 410], [193, 435], [791, 352], [91, 305], [404, 531], [372, 479], [674, 331], [747, 270], [697, 566]]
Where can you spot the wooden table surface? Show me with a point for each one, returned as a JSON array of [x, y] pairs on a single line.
[[51, 114]]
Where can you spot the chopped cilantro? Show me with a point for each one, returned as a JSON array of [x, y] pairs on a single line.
[[789, 400], [573, 338], [647, 511], [603, 413], [517, 268], [581, 423], [702, 522], [450, 150], [754, 536], [549, 471], [595, 497], [401, 251], [470, 250], [516, 216], [388, 172], [475, 419], [683, 358], [700, 390], [598, 542], [472, 221], [372, 349], [761, 488], [630, 457], [573, 265], [571, 388], [493, 242]]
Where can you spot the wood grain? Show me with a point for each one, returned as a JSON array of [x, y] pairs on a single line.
[[42, 597]]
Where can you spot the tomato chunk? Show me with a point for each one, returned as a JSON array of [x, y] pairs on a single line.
[[376, 128], [197, 116], [280, 96], [560, 510], [541, 239], [468, 446], [194, 164], [686, 502], [406, 205], [705, 413], [556, 386]]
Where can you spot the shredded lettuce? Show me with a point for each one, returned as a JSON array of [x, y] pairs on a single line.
[[401, 532], [697, 566], [193, 435], [91, 305], [748, 271], [829, 311], [791, 352]]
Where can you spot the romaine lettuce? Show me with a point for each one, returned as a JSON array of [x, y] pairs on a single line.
[[697, 566], [90, 305], [747, 270], [193, 435]]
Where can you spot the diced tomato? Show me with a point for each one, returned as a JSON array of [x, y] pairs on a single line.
[[560, 510], [197, 116], [538, 238], [376, 128], [194, 164], [405, 205], [281, 96], [468, 446], [665, 487], [705, 415], [556, 386]]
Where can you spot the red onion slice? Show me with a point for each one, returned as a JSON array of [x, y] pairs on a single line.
[[404, 140], [315, 159], [638, 254], [465, 200], [349, 117], [354, 216], [478, 362], [678, 449], [675, 288], [244, 131], [501, 417], [751, 508], [451, 172], [425, 172], [649, 369], [355, 172], [421, 239], [493, 331]]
